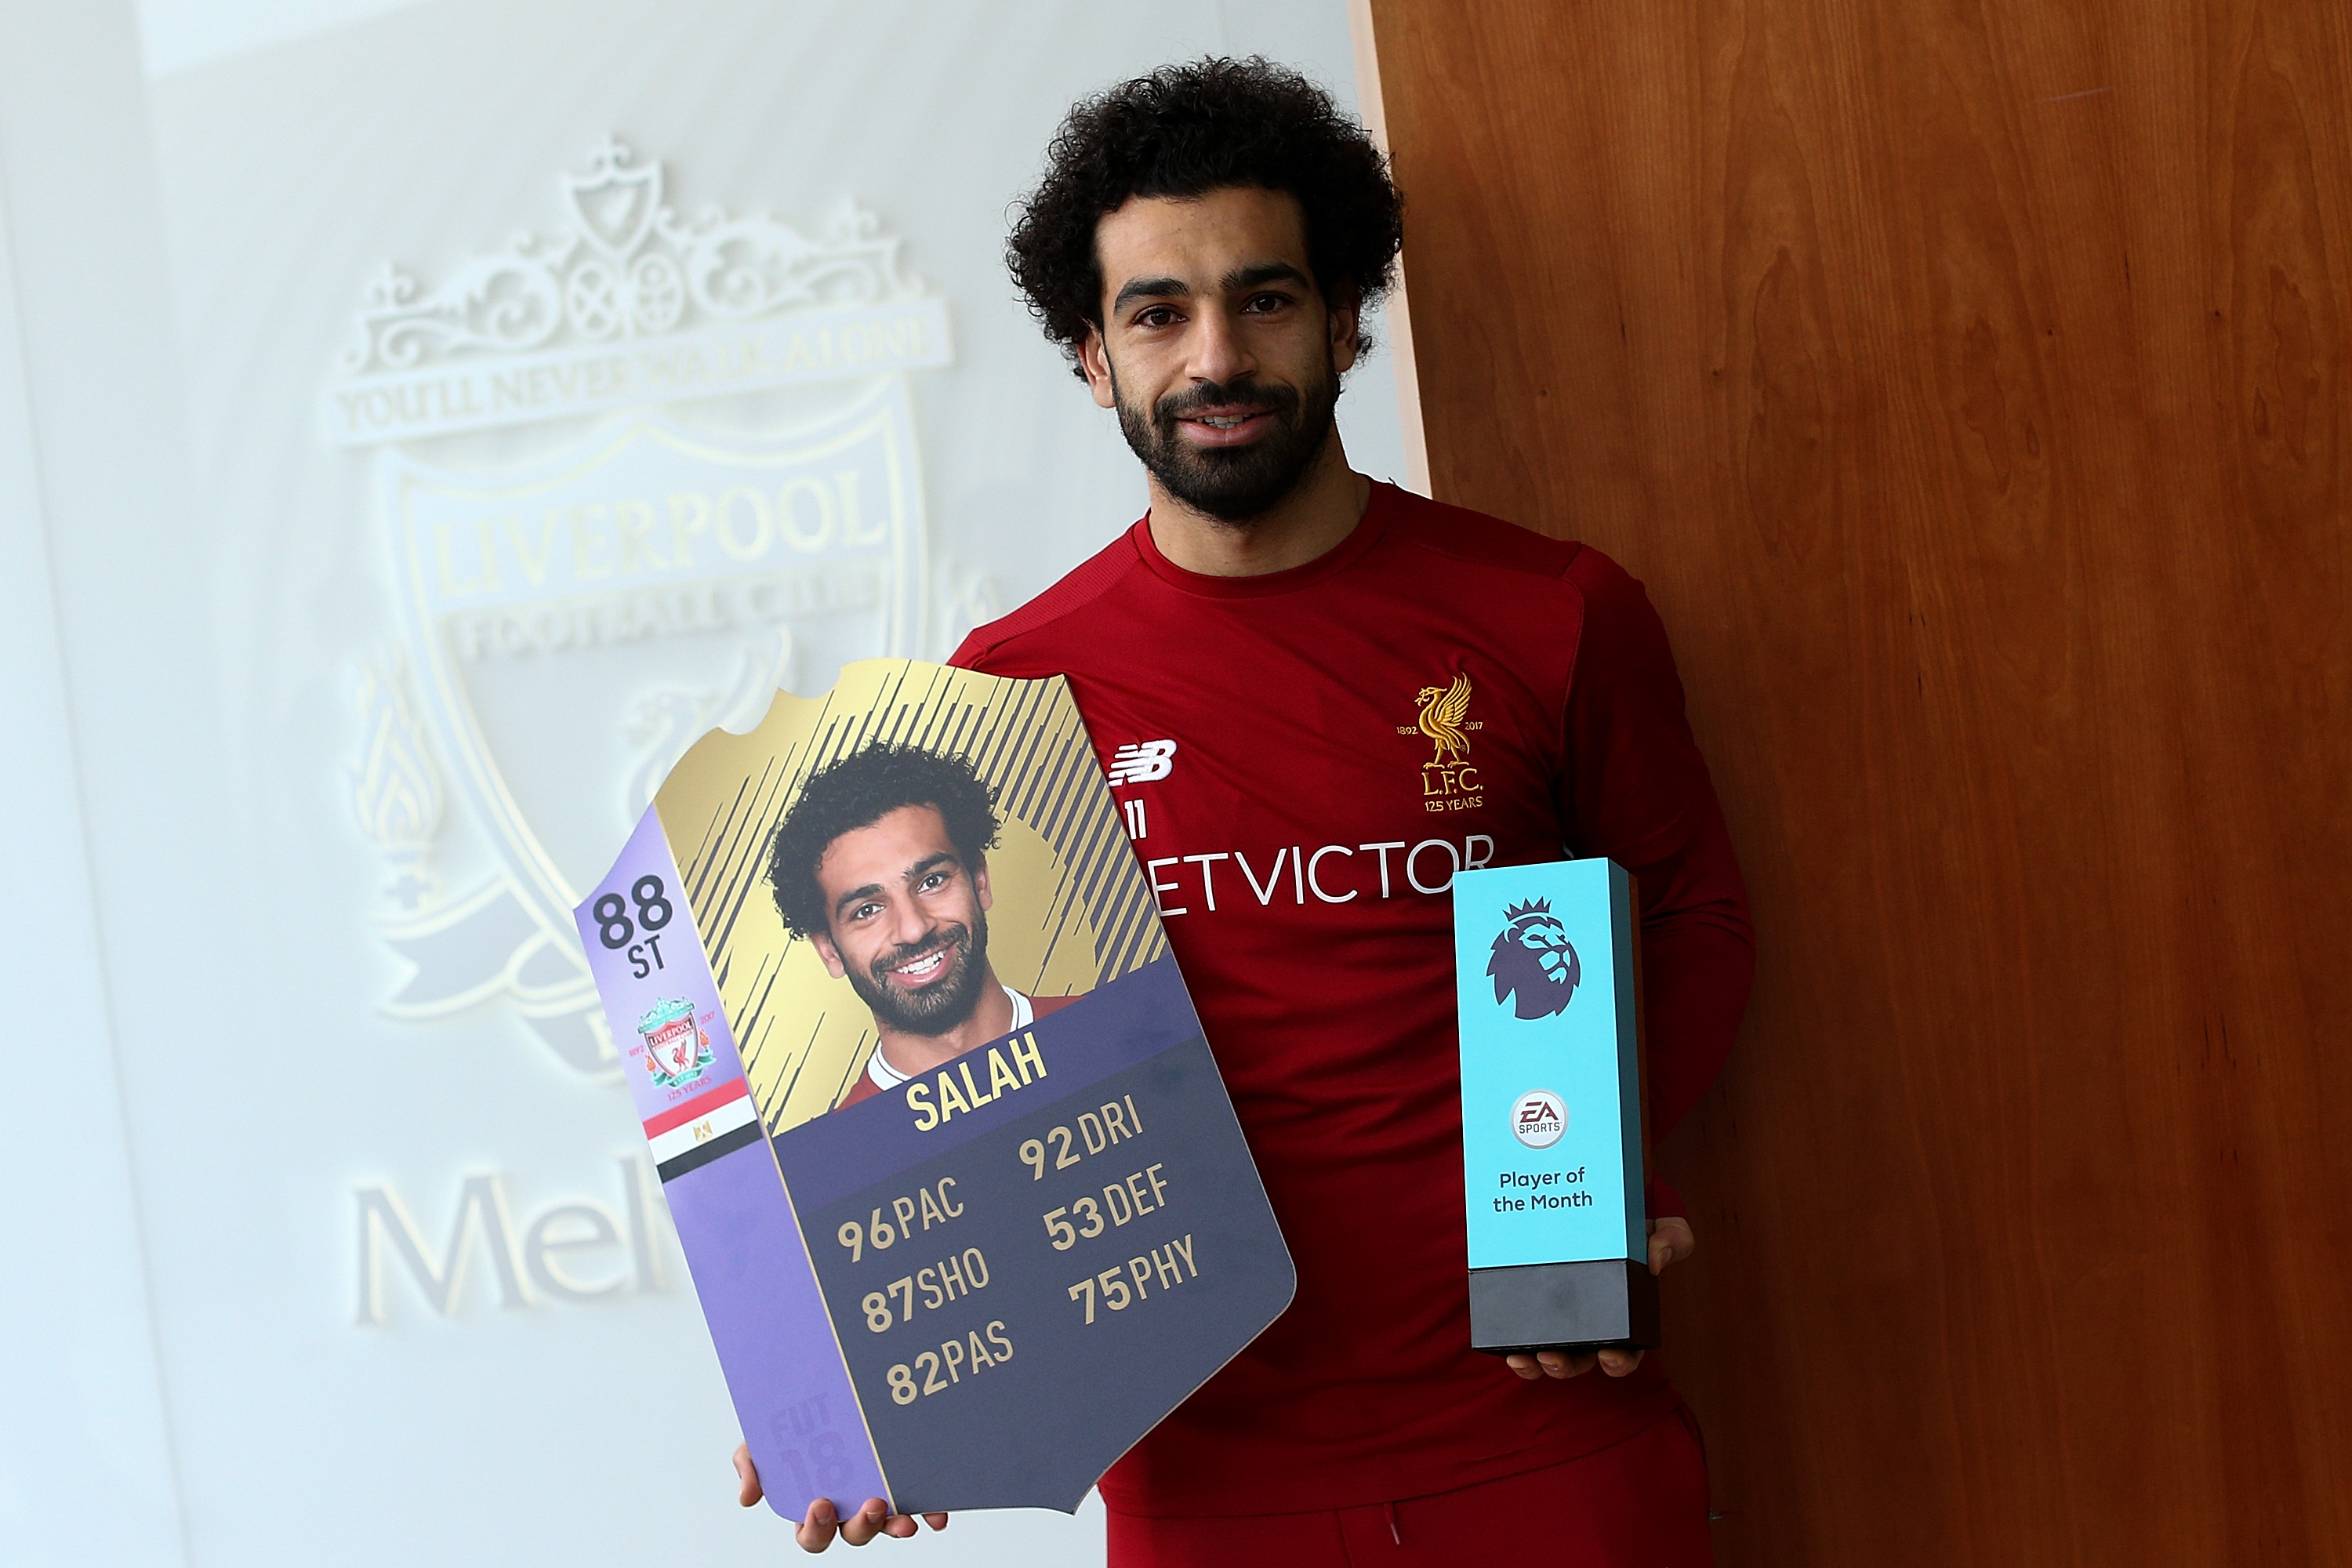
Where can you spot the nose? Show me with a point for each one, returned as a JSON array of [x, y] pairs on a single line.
[[908, 923], [1219, 353]]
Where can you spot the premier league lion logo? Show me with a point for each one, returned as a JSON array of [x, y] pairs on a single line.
[[1533, 963]]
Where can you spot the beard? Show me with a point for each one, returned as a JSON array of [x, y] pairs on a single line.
[[942, 1005], [1234, 485]]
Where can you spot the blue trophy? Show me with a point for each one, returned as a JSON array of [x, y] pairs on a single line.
[[1546, 979]]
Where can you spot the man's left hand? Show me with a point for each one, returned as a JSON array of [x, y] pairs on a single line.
[[1671, 1241]]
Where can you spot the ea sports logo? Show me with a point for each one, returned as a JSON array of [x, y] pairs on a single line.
[[1539, 1118]]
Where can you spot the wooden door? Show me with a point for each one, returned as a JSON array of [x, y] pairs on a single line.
[[1967, 379]]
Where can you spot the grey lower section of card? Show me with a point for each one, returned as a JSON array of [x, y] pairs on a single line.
[[1563, 1306]]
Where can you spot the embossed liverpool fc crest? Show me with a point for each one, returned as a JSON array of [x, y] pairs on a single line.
[[587, 579]]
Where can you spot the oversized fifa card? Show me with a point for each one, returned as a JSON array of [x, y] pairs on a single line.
[[1545, 972], [966, 1204]]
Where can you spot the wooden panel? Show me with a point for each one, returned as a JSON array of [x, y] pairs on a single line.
[[1967, 381]]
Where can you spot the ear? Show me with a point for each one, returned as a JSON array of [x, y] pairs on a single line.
[[980, 886], [831, 955], [1346, 314], [1095, 359]]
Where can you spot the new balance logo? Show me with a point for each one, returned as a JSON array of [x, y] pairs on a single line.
[[1142, 763]]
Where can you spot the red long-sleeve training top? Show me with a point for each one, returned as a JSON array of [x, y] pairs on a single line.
[[1300, 828]]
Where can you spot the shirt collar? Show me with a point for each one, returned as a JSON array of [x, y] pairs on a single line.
[[885, 1075], [1379, 510]]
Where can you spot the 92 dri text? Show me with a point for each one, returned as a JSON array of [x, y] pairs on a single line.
[[1097, 1130]]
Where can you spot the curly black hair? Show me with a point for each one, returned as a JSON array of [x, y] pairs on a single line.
[[1185, 130], [859, 791]]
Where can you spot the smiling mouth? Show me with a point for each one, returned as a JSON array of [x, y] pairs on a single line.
[[1222, 426], [924, 967]]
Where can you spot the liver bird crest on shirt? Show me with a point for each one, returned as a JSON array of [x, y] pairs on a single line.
[[1441, 714]]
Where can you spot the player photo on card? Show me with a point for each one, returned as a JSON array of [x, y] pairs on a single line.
[[901, 865], [881, 864]]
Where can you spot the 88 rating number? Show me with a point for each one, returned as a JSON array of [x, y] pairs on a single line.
[[620, 922]]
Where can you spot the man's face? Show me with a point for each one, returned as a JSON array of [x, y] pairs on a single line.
[[908, 921], [1216, 348]]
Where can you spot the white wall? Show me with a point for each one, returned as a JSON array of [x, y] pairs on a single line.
[[86, 1465], [191, 576]]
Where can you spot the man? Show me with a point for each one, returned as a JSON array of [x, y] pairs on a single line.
[[1205, 244], [882, 864]]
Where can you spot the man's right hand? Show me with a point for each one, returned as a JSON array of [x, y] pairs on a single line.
[[1671, 1241], [817, 1531]]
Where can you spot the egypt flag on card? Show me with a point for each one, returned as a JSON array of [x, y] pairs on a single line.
[[697, 1130]]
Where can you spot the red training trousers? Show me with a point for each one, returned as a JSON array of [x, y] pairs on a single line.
[[1641, 1503]]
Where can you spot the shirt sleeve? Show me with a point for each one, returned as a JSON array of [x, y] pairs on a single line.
[[1633, 787]]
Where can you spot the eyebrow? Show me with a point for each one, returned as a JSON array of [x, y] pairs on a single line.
[[858, 895], [1149, 289], [1242, 278], [1233, 282]]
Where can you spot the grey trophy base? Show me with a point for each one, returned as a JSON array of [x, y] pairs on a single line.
[[1612, 1302]]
